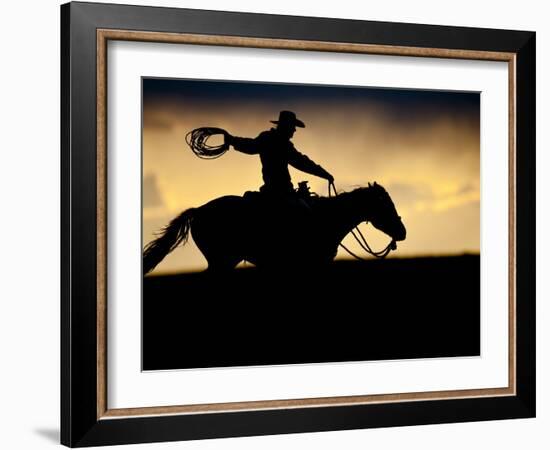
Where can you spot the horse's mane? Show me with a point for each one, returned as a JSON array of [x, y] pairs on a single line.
[[358, 191]]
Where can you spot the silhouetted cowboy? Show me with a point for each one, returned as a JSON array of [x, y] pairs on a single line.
[[276, 153]]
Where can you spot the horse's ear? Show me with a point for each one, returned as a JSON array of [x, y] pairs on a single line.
[[375, 183], [369, 185]]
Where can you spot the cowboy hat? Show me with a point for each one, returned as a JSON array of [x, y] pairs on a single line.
[[288, 118]]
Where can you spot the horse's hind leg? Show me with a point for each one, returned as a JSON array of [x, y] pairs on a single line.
[[221, 250], [219, 257]]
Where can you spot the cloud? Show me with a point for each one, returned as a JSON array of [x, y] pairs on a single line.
[[425, 197], [408, 194], [151, 193], [450, 231], [466, 188], [154, 120]]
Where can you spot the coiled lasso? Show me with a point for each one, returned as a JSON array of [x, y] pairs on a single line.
[[198, 141]]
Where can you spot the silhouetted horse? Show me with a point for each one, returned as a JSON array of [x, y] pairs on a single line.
[[273, 233]]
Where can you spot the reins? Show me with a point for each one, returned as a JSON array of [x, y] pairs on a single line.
[[361, 239]]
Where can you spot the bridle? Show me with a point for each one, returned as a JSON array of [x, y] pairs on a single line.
[[356, 233]]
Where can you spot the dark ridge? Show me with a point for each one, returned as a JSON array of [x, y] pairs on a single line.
[[350, 311]]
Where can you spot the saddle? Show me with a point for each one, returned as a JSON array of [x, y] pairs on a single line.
[[301, 195], [293, 207]]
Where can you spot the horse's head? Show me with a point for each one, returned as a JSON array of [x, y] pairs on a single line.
[[382, 213]]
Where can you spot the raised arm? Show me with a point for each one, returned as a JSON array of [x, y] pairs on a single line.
[[302, 162], [244, 145]]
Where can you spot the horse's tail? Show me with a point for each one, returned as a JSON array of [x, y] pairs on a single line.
[[172, 235]]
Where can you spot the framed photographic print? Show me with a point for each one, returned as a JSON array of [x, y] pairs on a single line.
[[276, 224]]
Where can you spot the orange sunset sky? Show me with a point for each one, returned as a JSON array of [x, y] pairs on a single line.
[[422, 146]]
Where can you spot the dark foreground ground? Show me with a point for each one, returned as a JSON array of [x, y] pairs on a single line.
[[375, 310]]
